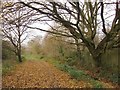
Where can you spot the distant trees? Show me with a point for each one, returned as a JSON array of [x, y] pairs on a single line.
[[35, 45], [81, 19], [57, 47], [14, 19], [52, 47]]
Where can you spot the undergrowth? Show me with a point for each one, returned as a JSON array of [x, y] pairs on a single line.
[[77, 74], [8, 65]]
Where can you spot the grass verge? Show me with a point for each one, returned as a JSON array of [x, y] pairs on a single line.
[[77, 74]]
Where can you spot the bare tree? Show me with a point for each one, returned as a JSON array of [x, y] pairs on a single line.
[[78, 17], [14, 17]]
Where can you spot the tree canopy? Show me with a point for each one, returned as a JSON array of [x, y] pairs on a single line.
[[81, 19]]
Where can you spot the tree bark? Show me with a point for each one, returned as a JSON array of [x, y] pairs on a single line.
[[78, 49], [97, 55], [97, 60], [19, 53], [19, 57]]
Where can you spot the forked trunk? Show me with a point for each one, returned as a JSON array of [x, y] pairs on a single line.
[[97, 56]]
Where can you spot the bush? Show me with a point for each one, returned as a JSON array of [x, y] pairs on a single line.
[[7, 52], [23, 58]]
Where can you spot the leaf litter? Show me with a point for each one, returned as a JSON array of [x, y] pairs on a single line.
[[40, 74]]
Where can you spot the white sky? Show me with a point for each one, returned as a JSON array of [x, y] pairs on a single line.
[[34, 32]]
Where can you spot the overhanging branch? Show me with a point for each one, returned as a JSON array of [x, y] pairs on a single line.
[[49, 31]]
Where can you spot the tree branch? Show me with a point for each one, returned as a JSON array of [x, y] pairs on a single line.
[[49, 31], [102, 17]]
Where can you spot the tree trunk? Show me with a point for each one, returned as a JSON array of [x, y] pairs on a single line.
[[97, 60], [78, 49], [19, 56], [97, 56]]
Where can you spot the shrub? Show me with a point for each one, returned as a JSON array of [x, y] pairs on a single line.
[[23, 58], [8, 65], [7, 52]]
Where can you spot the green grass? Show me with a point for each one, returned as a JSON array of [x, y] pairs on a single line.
[[76, 74], [33, 57], [80, 75]]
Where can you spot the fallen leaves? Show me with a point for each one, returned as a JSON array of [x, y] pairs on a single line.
[[40, 74]]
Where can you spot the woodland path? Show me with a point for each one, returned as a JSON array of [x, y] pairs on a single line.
[[40, 74]]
